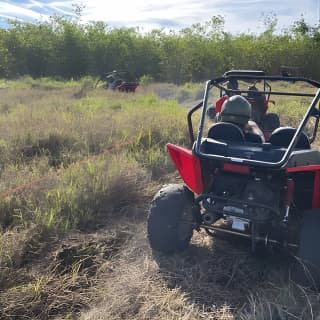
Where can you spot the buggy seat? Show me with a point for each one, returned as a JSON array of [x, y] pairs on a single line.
[[226, 131], [230, 132], [282, 137]]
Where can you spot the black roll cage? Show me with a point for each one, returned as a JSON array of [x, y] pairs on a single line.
[[248, 75]]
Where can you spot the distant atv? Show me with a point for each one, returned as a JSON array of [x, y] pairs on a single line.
[[114, 80], [237, 184]]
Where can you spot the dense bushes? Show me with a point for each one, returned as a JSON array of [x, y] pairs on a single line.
[[68, 49]]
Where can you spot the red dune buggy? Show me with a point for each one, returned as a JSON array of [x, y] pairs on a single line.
[[114, 80], [236, 184]]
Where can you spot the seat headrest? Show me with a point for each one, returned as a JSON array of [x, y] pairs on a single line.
[[226, 131], [282, 137]]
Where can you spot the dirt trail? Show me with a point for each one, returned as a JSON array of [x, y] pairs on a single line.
[[112, 274], [211, 280], [148, 287]]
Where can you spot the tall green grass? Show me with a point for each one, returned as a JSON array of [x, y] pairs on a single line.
[[43, 131]]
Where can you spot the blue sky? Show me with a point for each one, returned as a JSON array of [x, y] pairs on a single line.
[[240, 16]]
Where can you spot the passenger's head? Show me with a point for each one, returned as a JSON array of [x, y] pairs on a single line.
[[232, 84], [236, 110]]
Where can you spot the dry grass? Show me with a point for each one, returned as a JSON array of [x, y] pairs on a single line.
[[211, 280], [59, 281]]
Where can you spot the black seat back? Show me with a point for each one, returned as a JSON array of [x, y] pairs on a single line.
[[226, 131], [282, 137]]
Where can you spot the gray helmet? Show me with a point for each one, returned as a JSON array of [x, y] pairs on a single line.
[[236, 109]]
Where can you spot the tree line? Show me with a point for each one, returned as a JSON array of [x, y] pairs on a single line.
[[65, 48]]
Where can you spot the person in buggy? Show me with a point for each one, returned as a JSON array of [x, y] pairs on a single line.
[[238, 111], [214, 111], [260, 119]]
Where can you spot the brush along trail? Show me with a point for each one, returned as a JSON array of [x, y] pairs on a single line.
[[111, 273]]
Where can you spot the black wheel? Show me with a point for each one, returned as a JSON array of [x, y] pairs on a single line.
[[307, 271], [170, 221]]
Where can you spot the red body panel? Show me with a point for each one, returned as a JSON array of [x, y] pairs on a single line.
[[188, 166], [316, 184], [128, 86], [220, 102]]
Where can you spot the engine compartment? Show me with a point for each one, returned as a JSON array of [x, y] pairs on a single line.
[[243, 200]]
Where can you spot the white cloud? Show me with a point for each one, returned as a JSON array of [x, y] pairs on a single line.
[[61, 7], [14, 11], [34, 4], [240, 15]]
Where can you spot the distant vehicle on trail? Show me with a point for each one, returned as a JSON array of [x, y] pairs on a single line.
[[114, 80]]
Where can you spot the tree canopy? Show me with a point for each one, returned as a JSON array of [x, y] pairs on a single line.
[[68, 48]]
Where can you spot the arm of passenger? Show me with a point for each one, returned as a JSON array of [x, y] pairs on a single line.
[[252, 127]]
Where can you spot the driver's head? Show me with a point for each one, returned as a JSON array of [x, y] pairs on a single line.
[[236, 110]]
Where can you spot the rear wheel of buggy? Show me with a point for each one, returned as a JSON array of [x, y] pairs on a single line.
[[170, 221], [307, 271]]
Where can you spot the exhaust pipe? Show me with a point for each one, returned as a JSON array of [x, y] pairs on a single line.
[[266, 240]]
